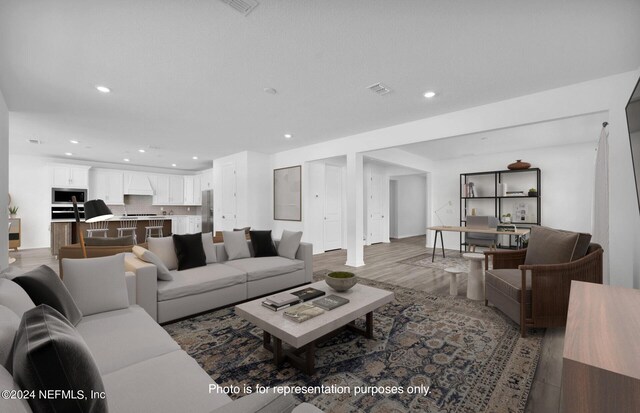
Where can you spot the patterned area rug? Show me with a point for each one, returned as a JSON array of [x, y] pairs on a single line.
[[452, 259], [471, 356]]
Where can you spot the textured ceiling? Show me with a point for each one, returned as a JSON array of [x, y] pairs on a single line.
[[187, 77]]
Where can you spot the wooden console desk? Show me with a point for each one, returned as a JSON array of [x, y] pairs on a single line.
[[601, 358], [15, 233], [519, 233]]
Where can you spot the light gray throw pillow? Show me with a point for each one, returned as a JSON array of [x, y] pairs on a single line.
[[289, 243], [148, 256], [9, 323], [209, 248], [165, 250], [15, 297], [97, 285], [235, 243]]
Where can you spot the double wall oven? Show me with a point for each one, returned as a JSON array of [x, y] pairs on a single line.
[[61, 203]]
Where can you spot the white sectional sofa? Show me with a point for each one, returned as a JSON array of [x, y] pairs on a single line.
[[216, 285], [143, 369]]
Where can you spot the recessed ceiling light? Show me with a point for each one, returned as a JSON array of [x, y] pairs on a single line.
[[270, 91], [141, 150], [126, 159], [103, 89], [174, 165], [288, 135], [194, 158], [429, 94], [74, 142], [68, 153]]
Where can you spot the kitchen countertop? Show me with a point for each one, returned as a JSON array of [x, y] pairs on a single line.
[[140, 218]]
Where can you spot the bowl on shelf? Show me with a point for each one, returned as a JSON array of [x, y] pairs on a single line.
[[341, 280]]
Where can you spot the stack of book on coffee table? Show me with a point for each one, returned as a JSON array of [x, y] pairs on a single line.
[[280, 301]]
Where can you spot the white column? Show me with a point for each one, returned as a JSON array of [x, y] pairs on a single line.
[[4, 181], [355, 206]]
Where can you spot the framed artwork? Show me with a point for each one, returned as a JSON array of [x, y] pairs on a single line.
[[522, 212], [287, 194]]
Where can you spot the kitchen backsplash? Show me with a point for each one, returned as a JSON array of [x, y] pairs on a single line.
[[139, 204]]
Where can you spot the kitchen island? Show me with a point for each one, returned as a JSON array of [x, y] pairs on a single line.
[[64, 231]]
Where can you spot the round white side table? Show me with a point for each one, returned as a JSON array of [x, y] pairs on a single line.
[[475, 283], [453, 281]]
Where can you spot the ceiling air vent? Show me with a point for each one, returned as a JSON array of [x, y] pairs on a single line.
[[35, 141], [242, 6], [379, 89]]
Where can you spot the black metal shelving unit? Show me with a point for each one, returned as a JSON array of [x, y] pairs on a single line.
[[497, 200]]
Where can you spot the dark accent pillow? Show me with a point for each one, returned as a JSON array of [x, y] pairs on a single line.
[[550, 246], [109, 241], [45, 287], [49, 354], [190, 251], [262, 243]]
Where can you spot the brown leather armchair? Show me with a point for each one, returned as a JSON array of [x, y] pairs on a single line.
[[545, 299]]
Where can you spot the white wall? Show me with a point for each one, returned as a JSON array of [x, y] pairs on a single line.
[[411, 205], [4, 179], [259, 207], [30, 189], [254, 204], [567, 176]]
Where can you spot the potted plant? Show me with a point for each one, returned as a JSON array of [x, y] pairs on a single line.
[[13, 211], [533, 192], [506, 218]]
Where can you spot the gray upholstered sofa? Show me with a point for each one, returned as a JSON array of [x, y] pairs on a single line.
[[219, 284], [142, 368]]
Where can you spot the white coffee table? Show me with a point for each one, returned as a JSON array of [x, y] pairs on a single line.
[[363, 300]]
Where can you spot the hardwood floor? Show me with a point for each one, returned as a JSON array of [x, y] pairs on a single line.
[[382, 265]]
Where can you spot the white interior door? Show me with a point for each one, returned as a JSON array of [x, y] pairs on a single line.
[[376, 214], [229, 205], [333, 208]]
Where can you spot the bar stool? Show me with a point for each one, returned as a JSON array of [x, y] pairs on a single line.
[[154, 225], [128, 225], [97, 228], [453, 281]]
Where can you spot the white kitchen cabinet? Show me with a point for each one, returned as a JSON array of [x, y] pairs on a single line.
[[107, 185], [195, 224], [70, 176], [180, 224], [176, 190], [186, 224], [160, 185], [168, 189], [206, 180], [192, 190]]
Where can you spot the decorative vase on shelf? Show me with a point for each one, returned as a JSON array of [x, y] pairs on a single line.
[[518, 165]]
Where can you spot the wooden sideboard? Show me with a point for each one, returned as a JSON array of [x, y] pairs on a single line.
[[15, 233], [601, 358]]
